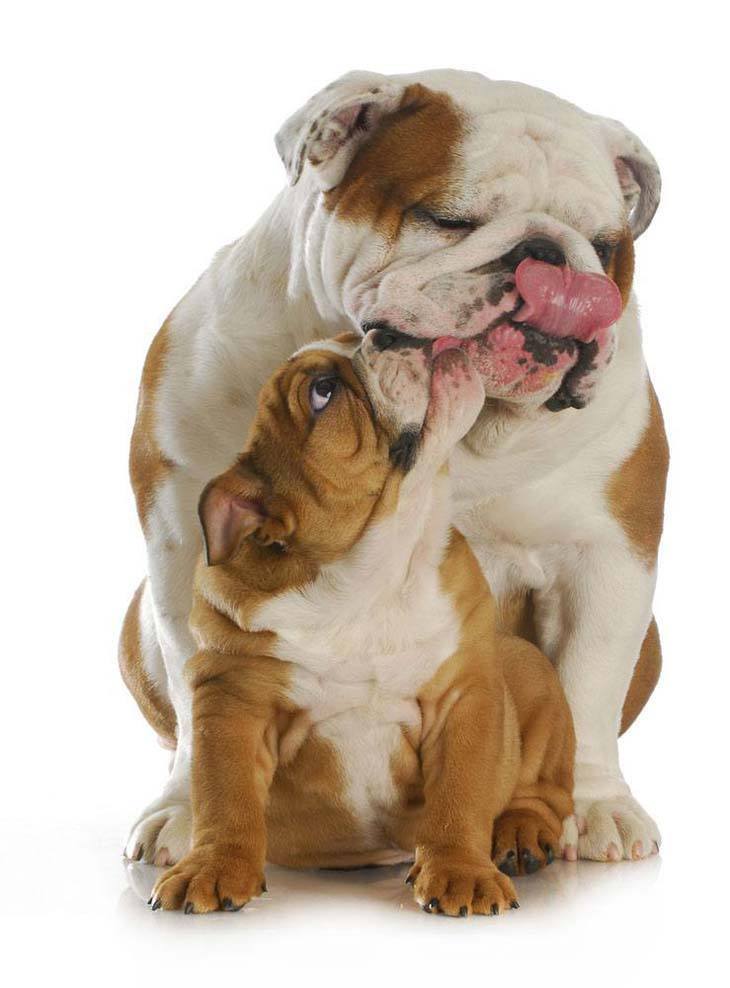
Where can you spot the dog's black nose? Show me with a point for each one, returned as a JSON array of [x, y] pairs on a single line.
[[540, 248], [386, 337]]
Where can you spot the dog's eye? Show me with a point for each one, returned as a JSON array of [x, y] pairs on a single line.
[[320, 392], [445, 222], [604, 251]]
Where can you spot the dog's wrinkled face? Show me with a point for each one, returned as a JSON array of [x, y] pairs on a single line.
[[337, 429], [447, 205]]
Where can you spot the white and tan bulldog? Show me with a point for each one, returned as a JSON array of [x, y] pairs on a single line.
[[353, 701], [440, 205]]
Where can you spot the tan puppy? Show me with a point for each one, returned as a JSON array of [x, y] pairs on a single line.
[[352, 704]]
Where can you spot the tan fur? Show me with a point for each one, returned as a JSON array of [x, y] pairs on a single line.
[[621, 266], [307, 825], [156, 709], [635, 492], [645, 677], [265, 784], [148, 466], [410, 160]]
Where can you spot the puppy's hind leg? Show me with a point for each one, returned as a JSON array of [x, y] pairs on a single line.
[[527, 834]]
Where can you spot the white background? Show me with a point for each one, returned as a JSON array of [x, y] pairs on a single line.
[[137, 140]]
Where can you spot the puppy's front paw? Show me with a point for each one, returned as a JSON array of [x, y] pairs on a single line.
[[210, 878], [458, 883]]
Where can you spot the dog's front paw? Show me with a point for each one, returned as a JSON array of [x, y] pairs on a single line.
[[614, 828], [459, 883], [163, 833], [210, 878]]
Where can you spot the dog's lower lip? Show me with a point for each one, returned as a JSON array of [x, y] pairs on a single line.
[[484, 333]]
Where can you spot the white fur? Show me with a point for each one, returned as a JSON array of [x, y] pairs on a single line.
[[366, 636], [529, 483]]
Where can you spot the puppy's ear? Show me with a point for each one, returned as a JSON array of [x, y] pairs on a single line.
[[328, 130], [226, 518], [239, 504]]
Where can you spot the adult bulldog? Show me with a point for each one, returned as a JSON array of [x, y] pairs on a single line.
[[438, 205]]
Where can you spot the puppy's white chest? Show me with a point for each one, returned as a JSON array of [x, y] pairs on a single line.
[[357, 672]]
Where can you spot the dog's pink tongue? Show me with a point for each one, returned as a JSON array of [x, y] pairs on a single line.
[[562, 302]]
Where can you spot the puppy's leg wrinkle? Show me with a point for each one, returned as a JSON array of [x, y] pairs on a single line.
[[468, 774], [527, 834]]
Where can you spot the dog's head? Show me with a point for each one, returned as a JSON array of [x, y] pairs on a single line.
[[449, 205], [337, 430]]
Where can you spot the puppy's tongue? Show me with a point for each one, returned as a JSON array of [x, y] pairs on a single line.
[[562, 302]]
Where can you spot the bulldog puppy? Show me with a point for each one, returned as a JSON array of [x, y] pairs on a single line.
[[440, 205], [352, 701]]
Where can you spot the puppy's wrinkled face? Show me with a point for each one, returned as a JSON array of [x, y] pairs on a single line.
[[314, 469], [338, 428]]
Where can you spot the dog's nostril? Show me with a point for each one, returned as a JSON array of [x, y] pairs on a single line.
[[385, 339], [539, 248], [385, 336]]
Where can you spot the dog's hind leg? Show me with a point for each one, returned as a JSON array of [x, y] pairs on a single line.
[[527, 834]]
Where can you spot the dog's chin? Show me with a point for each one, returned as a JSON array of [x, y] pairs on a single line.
[[519, 363]]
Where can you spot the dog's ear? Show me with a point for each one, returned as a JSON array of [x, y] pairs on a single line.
[[235, 506], [328, 130], [637, 171]]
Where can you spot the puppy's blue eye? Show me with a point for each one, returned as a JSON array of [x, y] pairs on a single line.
[[320, 392]]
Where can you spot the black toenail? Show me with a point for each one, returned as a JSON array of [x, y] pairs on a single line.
[[410, 879], [157, 904], [511, 854], [264, 887], [514, 904], [227, 904], [530, 863], [464, 911], [495, 909], [189, 908], [549, 854], [432, 906], [509, 866]]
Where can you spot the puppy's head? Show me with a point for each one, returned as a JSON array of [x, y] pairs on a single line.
[[315, 468], [337, 430]]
